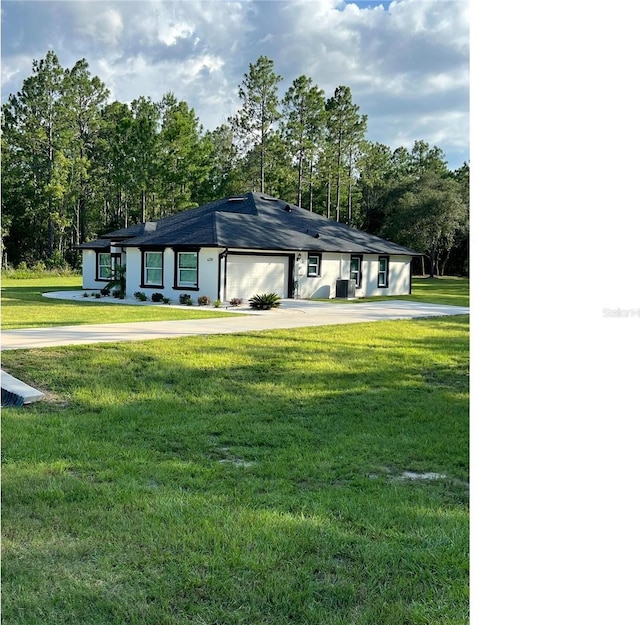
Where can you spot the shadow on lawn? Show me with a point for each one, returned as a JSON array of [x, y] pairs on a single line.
[[273, 391], [254, 473]]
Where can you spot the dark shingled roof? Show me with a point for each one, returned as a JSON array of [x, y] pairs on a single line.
[[255, 221], [98, 244]]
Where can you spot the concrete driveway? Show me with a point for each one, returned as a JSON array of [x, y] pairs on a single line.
[[291, 314]]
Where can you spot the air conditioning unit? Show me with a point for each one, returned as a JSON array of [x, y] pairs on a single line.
[[345, 289]]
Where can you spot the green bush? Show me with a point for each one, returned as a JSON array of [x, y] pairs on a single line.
[[157, 297], [118, 280], [139, 295], [57, 262], [24, 272], [185, 299], [265, 301]]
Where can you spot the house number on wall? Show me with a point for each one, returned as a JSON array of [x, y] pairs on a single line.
[[210, 260]]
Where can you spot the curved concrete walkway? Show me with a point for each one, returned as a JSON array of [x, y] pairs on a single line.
[[291, 314]]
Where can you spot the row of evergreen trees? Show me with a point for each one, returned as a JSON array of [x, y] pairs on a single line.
[[76, 165]]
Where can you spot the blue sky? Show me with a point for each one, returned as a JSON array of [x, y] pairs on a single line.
[[407, 61]]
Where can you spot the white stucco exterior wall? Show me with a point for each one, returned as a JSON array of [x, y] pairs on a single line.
[[89, 260], [335, 266], [133, 271], [207, 274], [208, 263]]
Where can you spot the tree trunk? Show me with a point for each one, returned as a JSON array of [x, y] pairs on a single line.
[[262, 159], [328, 199], [143, 205], [349, 185], [444, 262], [311, 186], [300, 179], [338, 195], [77, 211], [83, 217], [50, 242]]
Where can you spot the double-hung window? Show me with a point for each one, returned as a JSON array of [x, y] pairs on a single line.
[[313, 266], [104, 266], [152, 269], [383, 271], [355, 272], [187, 270]]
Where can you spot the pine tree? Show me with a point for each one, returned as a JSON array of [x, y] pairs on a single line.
[[83, 98], [303, 106], [34, 140], [254, 122], [346, 128]]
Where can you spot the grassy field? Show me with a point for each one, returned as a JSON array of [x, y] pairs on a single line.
[[24, 307], [264, 478], [448, 290], [451, 291]]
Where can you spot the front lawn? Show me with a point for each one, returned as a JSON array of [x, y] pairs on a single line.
[[451, 291], [316, 476], [24, 307]]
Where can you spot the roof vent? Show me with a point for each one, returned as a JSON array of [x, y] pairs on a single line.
[[287, 208], [271, 199], [149, 226], [316, 235], [236, 199]]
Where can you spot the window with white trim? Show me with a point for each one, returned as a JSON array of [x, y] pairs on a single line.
[[383, 271], [153, 268], [187, 269], [356, 270], [104, 266], [313, 265]]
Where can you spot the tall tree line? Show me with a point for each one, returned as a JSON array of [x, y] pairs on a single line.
[[76, 165]]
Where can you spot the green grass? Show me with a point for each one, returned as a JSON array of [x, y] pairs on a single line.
[[241, 479], [451, 291], [24, 307]]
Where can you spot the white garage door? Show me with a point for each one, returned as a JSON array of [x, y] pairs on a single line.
[[252, 275]]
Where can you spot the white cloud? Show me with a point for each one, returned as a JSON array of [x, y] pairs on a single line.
[[17, 67], [204, 66], [170, 33], [98, 22], [407, 64]]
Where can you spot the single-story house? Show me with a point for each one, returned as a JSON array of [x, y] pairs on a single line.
[[251, 244]]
